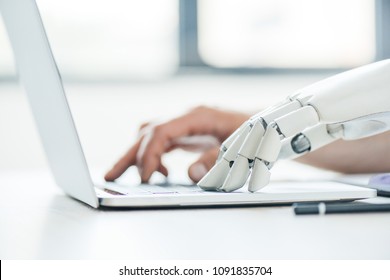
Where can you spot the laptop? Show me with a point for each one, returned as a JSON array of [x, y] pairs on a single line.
[[41, 79]]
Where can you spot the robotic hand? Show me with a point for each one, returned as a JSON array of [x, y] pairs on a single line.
[[350, 105]]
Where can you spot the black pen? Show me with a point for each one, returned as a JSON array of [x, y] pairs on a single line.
[[333, 208]]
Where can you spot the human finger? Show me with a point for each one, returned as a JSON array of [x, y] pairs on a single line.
[[123, 163], [161, 139], [205, 162]]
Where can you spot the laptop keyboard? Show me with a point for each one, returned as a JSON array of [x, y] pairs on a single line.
[[148, 189]]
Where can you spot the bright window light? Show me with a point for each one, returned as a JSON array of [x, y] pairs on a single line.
[[287, 34], [110, 39], [7, 68]]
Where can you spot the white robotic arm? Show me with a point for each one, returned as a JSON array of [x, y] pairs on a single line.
[[350, 105]]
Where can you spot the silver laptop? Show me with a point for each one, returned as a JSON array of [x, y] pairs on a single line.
[[39, 75]]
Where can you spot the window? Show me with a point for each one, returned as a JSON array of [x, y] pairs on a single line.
[[286, 34], [122, 40], [108, 39], [7, 68]]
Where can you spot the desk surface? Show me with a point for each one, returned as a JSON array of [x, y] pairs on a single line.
[[38, 221]]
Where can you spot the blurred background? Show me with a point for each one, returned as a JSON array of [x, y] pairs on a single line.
[[125, 62]]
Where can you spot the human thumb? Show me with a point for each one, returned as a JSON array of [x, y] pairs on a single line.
[[200, 167]]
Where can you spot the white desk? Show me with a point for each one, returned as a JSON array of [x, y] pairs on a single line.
[[38, 221]]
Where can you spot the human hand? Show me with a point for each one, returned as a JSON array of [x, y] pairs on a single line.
[[182, 132]]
